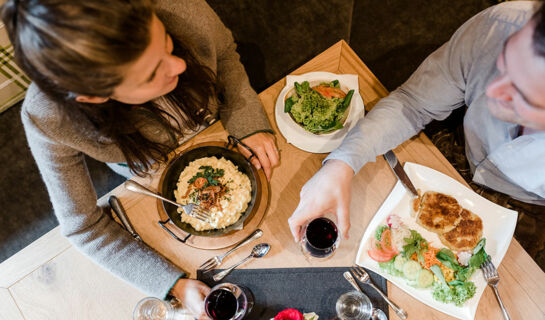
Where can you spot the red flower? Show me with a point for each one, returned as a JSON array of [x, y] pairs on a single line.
[[289, 314]]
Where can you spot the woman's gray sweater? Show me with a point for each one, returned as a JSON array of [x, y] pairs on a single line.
[[59, 142]]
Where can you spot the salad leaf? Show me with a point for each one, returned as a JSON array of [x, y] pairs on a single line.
[[475, 262], [479, 246], [438, 273], [415, 244], [457, 294], [448, 259], [379, 231], [478, 259]]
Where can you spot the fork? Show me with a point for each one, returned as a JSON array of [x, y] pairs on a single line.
[[362, 275], [192, 210], [215, 261], [492, 278]]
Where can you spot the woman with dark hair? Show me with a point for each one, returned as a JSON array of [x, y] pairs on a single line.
[[125, 82]]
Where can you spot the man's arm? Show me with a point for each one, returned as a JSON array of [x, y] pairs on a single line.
[[435, 89]]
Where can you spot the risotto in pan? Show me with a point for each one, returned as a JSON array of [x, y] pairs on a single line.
[[218, 187]]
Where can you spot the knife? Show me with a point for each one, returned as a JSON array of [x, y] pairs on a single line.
[[115, 204], [399, 172]]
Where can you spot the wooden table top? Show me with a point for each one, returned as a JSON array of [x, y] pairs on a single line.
[[50, 279]]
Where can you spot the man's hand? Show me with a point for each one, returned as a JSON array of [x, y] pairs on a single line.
[[264, 147], [191, 294], [328, 191]]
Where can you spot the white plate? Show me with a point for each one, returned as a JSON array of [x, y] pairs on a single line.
[[498, 227], [302, 139]]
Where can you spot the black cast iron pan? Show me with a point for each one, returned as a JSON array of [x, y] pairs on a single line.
[[170, 176]]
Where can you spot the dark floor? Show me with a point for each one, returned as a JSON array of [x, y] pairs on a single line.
[[391, 36]]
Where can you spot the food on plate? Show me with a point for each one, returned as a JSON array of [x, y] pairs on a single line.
[[319, 109], [423, 265], [438, 212], [218, 187], [466, 234]]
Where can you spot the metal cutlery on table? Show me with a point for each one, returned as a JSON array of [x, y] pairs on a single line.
[[362, 275], [216, 261], [119, 211], [191, 209], [400, 172], [257, 252], [492, 278]]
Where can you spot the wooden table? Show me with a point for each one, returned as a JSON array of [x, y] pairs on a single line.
[[50, 279]]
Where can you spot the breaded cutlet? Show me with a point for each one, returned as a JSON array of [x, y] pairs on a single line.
[[438, 212], [467, 233]]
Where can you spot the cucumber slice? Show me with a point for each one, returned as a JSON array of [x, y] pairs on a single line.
[[425, 278], [411, 269], [399, 261]]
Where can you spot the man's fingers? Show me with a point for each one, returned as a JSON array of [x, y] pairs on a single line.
[[295, 229], [343, 220]]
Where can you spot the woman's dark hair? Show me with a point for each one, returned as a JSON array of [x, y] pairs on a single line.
[[80, 47]]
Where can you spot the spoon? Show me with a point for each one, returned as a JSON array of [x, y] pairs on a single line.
[[257, 252], [378, 315]]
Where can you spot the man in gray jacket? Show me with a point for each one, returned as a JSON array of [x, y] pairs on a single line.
[[495, 65]]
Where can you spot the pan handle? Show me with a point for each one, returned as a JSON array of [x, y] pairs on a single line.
[[232, 142], [163, 225]]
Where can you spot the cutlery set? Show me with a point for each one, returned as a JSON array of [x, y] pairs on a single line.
[[357, 272]]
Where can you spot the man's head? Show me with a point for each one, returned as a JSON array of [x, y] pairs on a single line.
[[518, 93]]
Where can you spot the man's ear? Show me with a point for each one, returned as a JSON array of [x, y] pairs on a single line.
[[89, 99]]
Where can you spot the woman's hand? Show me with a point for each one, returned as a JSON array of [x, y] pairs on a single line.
[[328, 191], [191, 294], [264, 147]]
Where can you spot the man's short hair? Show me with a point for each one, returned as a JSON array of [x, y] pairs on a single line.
[[539, 31]]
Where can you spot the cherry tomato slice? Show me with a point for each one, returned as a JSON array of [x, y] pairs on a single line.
[[380, 256], [329, 92], [200, 182], [386, 242]]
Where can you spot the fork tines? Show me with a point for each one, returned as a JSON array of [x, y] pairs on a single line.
[[360, 273], [209, 264], [489, 270]]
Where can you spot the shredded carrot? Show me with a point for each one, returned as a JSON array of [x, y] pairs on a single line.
[[429, 257]]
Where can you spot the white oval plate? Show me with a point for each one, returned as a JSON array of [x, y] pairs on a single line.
[[498, 227], [302, 139]]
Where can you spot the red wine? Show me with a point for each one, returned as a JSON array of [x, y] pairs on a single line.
[[321, 235], [221, 305]]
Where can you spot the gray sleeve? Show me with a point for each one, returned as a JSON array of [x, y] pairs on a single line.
[[435, 89], [87, 226]]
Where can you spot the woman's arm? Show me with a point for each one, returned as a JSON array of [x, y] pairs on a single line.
[[87, 226]]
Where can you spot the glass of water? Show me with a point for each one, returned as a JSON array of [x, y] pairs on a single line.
[[354, 305], [151, 308]]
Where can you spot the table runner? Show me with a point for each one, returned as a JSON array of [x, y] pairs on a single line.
[[305, 289]]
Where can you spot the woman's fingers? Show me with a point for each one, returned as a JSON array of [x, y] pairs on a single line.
[[266, 154]]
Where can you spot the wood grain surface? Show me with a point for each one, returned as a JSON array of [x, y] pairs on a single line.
[[51, 280]]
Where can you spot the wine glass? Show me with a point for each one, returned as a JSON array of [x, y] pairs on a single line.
[[320, 238], [228, 301]]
